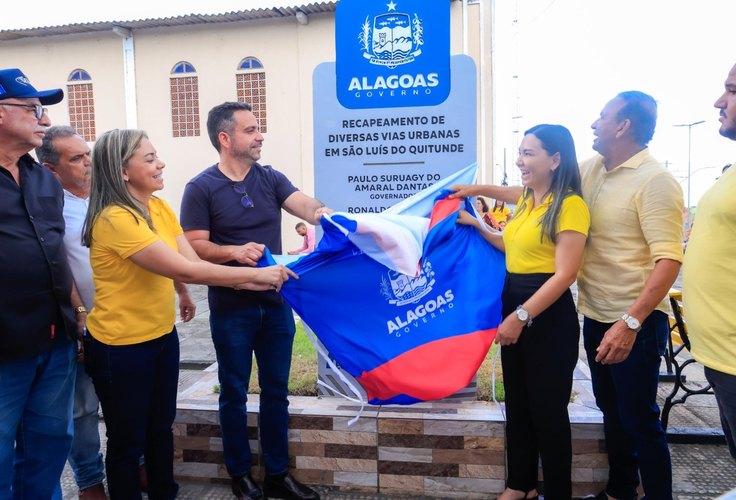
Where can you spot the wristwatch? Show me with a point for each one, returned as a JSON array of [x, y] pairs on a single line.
[[631, 322], [523, 315], [80, 310]]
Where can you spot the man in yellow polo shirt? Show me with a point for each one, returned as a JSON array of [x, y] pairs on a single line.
[[632, 258], [709, 278]]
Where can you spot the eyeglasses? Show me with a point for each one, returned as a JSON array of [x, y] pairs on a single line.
[[38, 110], [239, 187]]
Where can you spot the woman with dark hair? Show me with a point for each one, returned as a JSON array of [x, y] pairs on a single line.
[[139, 255], [540, 332], [482, 207], [500, 211]]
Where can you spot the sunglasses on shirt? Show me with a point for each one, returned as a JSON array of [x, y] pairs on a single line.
[[239, 187]]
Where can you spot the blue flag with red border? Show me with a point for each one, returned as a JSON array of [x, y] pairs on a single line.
[[406, 304]]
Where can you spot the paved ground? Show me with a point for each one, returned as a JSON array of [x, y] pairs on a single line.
[[699, 470]]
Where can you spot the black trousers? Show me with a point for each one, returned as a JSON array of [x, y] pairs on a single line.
[[137, 386], [537, 376]]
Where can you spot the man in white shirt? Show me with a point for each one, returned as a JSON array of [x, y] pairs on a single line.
[[68, 157]]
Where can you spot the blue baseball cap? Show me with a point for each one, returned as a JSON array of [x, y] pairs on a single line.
[[13, 83]]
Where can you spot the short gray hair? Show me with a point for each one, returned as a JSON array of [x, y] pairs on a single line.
[[47, 152]]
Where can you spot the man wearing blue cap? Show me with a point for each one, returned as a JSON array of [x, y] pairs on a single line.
[[37, 317]]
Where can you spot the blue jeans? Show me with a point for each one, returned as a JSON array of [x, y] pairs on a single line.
[[85, 457], [137, 386], [267, 330], [36, 397], [724, 385], [626, 393]]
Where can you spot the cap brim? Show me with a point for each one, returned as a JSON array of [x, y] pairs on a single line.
[[50, 96], [47, 97]]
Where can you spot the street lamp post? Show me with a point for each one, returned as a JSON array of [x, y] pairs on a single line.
[[689, 150]]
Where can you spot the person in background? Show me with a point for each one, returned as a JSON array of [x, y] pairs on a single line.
[[68, 157], [632, 258], [540, 332], [482, 207], [38, 328], [308, 243], [501, 212], [709, 279], [139, 256], [230, 213]]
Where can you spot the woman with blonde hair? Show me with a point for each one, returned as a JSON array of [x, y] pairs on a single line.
[[139, 255]]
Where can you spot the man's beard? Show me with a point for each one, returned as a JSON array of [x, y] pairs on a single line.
[[247, 154], [729, 132]]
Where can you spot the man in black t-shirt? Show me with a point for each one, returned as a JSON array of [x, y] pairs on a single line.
[[230, 213]]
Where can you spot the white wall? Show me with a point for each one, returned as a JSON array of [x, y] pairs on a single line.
[[289, 52]]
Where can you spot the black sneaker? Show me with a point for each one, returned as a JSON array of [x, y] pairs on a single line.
[[288, 488]]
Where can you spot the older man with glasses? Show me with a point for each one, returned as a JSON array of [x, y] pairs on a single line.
[[37, 320]]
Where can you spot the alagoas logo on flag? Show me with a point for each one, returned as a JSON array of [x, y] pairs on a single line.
[[407, 304]]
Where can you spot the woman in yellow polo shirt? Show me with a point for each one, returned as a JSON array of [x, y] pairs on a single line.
[[500, 212], [540, 332], [139, 254]]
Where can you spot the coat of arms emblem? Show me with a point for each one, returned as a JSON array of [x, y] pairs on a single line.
[[392, 38], [400, 289]]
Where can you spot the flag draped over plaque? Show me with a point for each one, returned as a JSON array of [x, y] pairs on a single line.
[[407, 302]]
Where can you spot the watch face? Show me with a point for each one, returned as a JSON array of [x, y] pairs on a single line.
[[522, 314], [632, 323]]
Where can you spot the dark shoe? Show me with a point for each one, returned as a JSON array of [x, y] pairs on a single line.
[[96, 492], [287, 487], [246, 489]]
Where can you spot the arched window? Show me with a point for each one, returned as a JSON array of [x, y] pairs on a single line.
[[184, 86], [183, 67], [80, 95], [250, 63], [251, 88], [79, 75]]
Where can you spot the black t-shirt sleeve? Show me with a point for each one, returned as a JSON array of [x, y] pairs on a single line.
[[283, 188], [195, 211]]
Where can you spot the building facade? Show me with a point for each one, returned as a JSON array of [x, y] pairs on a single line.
[[163, 75]]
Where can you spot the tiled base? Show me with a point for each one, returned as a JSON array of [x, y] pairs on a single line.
[[441, 449]]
